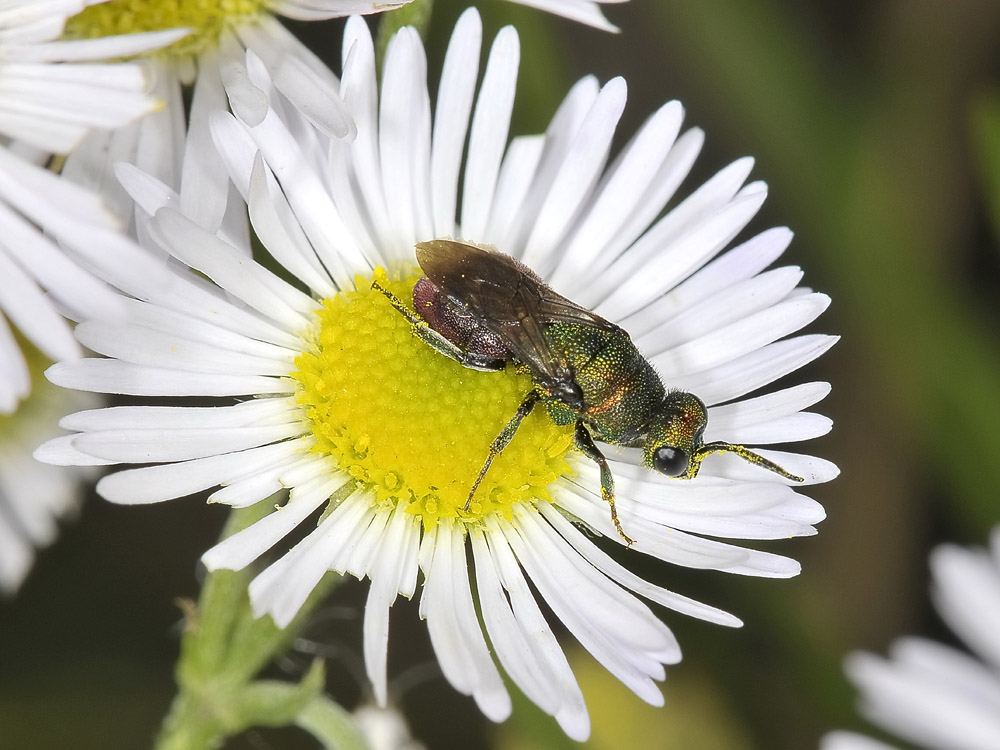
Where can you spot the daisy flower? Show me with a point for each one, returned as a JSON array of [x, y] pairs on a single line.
[[324, 390], [40, 282], [52, 94], [933, 695], [32, 495], [175, 145], [584, 11]]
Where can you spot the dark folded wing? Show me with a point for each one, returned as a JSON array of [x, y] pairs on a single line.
[[508, 297]]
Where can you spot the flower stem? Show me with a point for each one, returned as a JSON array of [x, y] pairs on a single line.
[[223, 648]]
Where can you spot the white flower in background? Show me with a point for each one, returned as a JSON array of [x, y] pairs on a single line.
[[39, 283], [175, 146], [384, 728], [933, 695], [327, 393], [584, 11], [52, 94], [32, 495], [53, 91], [39, 280], [851, 741]]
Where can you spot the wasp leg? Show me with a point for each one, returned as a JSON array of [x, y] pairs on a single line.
[[438, 342], [503, 439], [585, 443], [745, 453]]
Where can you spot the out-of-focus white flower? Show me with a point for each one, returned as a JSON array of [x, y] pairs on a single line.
[[32, 495], [584, 11], [54, 91], [175, 146], [932, 695]]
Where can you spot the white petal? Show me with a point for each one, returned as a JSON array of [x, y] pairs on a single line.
[[454, 629], [390, 562], [111, 376], [488, 137], [754, 370], [282, 588], [576, 177], [621, 575], [736, 339], [451, 118], [571, 712], [163, 445], [154, 484], [241, 549], [966, 592]]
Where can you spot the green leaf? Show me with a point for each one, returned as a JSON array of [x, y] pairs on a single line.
[[985, 127]]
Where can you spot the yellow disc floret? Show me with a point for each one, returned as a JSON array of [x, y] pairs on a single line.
[[205, 18], [414, 425]]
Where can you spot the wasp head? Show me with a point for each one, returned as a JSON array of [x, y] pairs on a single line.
[[675, 443], [675, 435]]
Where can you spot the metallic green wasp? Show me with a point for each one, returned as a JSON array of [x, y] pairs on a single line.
[[483, 308]]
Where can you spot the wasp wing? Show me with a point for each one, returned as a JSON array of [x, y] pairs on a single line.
[[508, 297]]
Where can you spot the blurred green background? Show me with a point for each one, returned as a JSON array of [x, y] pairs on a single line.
[[877, 127]]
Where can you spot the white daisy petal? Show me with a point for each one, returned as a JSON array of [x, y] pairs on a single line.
[[60, 452], [241, 549], [694, 247], [851, 741], [743, 337], [455, 633], [155, 484], [512, 647], [623, 576], [386, 583], [737, 265], [766, 408], [562, 585], [112, 376], [571, 712], [558, 139], [933, 695], [489, 129], [270, 592], [623, 188], [451, 120], [752, 371], [967, 593], [584, 160]]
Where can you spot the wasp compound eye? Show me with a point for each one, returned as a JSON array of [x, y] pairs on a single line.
[[670, 461]]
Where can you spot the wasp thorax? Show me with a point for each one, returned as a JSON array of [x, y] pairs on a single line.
[[675, 433]]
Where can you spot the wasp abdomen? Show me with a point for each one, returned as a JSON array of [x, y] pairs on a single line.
[[453, 320]]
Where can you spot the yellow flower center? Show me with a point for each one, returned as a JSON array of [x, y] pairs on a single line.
[[414, 425], [205, 18]]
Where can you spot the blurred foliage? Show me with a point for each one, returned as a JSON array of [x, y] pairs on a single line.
[[877, 126]]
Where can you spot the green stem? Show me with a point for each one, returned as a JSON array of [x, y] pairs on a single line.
[[223, 648]]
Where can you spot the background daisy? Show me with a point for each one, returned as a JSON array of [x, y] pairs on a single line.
[[933, 695], [174, 146], [53, 93]]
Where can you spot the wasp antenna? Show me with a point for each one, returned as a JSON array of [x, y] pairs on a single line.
[[743, 452]]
